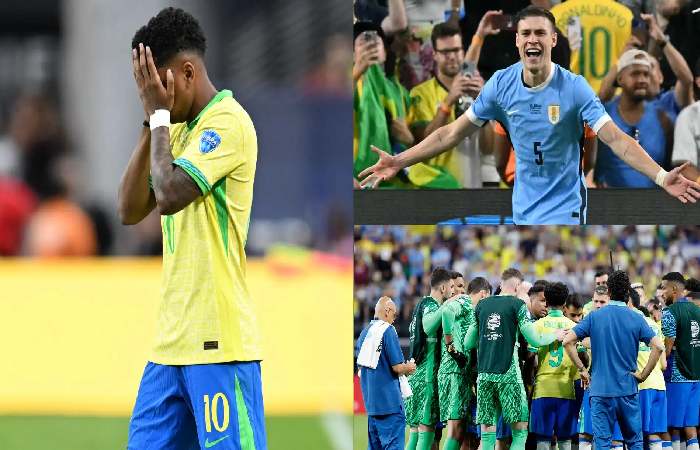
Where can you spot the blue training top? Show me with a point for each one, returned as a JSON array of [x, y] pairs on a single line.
[[615, 331], [380, 386], [545, 125]]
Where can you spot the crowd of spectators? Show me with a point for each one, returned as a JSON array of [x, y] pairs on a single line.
[[396, 261], [419, 65]]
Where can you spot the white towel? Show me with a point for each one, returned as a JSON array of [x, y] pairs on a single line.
[[371, 346], [405, 387]]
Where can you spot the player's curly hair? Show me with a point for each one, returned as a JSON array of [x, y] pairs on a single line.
[[555, 294], [619, 286], [171, 31]]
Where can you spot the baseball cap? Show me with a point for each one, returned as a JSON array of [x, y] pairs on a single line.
[[633, 56]]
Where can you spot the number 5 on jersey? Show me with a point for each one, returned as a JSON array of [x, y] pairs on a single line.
[[539, 160], [211, 412]]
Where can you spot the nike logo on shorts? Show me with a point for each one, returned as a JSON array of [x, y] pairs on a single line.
[[208, 444]]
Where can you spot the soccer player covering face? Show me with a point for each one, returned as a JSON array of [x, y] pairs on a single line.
[[422, 408], [499, 320], [543, 107], [554, 410], [453, 376], [195, 163]]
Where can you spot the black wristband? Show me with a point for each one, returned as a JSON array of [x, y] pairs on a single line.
[[146, 123]]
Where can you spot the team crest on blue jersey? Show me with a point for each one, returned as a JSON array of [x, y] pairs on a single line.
[[209, 141], [553, 114]]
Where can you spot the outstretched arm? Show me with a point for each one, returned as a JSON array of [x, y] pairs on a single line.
[[472, 336], [633, 154], [441, 140]]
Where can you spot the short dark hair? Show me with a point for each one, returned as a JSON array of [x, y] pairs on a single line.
[[654, 303], [634, 297], [443, 30], [538, 286], [454, 275], [600, 273], [479, 284], [512, 273], [692, 285], [697, 67], [439, 276], [170, 32], [555, 294], [619, 285], [574, 300], [675, 277], [535, 11]]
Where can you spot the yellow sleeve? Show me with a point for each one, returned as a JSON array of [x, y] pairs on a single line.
[[216, 150]]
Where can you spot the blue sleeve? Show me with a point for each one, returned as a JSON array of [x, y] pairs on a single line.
[[646, 333], [668, 324], [392, 347], [485, 107], [591, 110], [583, 329]]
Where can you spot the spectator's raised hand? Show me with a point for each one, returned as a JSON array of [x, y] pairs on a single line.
[[487, 25], [655, 30], [474, 84], [459, 87], [366, 54]]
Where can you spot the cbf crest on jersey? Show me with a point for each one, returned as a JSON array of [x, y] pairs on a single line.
[[209, 141], [553, 113]]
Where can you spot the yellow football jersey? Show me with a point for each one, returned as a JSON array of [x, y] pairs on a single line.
[[425, 100], [206, 314], [598, 31], [656, 377], [555, 371]]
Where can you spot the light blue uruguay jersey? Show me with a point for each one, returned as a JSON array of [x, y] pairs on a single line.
[[545, 125]]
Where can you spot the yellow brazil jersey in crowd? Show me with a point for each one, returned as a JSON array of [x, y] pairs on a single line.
[[598, 31], [206, 314], [656, 377], [555, 370], [425, 101]]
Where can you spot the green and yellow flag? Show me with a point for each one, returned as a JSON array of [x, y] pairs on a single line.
[[377, 100]]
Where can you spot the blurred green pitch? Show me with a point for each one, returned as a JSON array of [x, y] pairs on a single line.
[[110, 433]]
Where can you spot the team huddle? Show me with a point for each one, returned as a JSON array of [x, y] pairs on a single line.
[[532, 360]]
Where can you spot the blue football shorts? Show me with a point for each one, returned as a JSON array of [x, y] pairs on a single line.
[[217, 406]]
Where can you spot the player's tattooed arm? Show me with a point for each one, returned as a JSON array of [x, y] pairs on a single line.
[[173, 187]]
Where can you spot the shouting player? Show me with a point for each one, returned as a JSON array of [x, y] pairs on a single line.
[[194, 163], [543, 107]]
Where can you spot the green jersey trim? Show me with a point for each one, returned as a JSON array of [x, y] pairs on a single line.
[[219, 193], [245, 429], [195, 173], [220, 95]]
